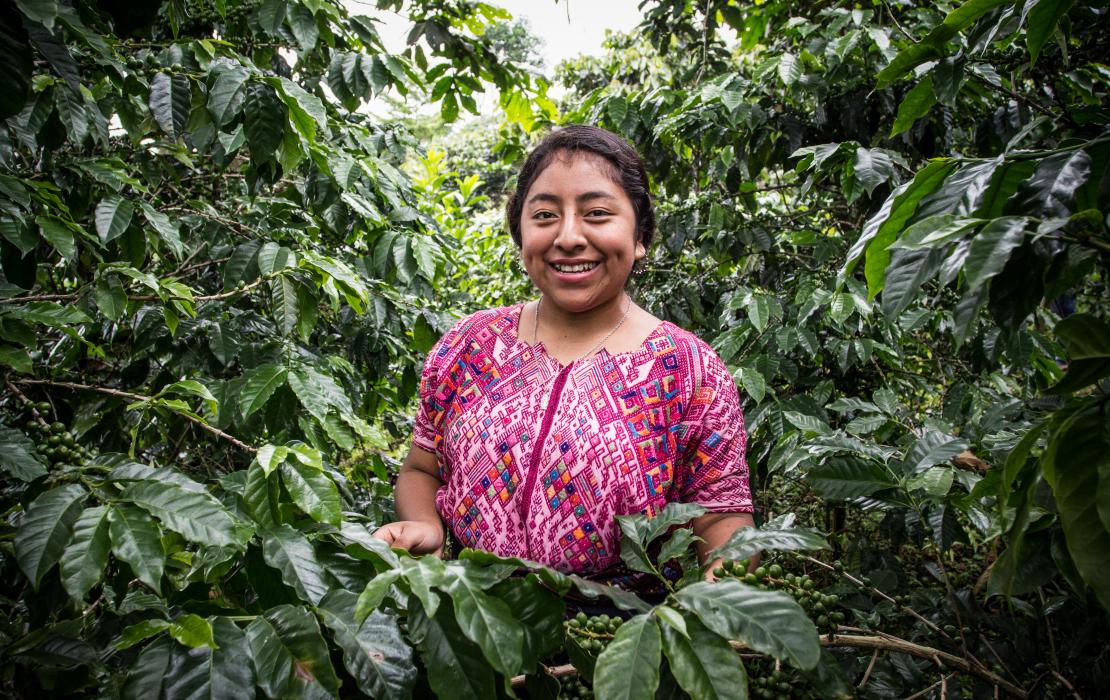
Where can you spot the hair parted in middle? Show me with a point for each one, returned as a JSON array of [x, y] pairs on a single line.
[[625, 168]]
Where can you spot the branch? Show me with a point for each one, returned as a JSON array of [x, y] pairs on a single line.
[[138, 397], [144, 297], [884, 643]]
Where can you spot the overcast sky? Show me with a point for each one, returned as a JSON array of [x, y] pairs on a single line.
[[568, 27]]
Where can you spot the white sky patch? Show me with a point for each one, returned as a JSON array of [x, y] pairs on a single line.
[[567, 28]]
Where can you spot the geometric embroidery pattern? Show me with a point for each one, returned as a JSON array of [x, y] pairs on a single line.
[[536, 458]]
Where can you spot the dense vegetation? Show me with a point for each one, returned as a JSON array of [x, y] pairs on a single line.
[[220, 277]]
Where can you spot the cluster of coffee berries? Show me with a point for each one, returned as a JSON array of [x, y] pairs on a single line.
[[54, 444], [571, 687], [820, 607], [592, 634], [778, 684]]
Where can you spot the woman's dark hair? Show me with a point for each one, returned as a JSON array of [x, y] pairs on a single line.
[[627, 170]]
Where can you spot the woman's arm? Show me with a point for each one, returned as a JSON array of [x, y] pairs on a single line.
[[715, 529], [418, 528]]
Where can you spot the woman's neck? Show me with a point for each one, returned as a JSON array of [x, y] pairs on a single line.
[[557, 324]]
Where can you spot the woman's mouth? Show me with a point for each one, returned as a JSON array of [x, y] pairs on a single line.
[[575, 268]]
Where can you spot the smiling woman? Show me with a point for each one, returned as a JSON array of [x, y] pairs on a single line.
[[540, 422]]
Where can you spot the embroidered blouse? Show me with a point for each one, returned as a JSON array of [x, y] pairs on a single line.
[[537, 458]]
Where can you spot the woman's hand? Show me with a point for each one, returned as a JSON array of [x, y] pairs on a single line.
[[416, 536], [419, 530]]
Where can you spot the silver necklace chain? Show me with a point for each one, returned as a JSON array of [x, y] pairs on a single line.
[[536, 329]]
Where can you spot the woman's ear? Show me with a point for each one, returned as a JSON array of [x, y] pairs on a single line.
[[641, 251]]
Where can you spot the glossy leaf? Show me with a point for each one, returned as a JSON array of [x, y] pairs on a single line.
[[485, 620], [85, 558], [196, 515], [263, 120], [704, 664], [460, 670], [628, 668], [991, 249], [290, 552], [313, 491], [260, 385], [170, 99], [374, 652], [1041, 23], [45, 530], [17, 456], [767, 621], [850, 477], [289, 655], [113, 216], [137, 540], [750, 540]]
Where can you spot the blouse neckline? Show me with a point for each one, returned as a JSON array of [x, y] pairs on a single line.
[[539, 347]]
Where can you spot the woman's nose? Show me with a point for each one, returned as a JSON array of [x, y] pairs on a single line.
[[570, 233]]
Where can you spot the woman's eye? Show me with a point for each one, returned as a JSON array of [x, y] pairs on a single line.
[[543, 215], [597, 212]]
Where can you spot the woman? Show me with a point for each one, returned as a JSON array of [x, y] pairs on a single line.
[[540, 422]]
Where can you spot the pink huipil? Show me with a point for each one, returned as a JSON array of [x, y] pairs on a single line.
[[536, 457]]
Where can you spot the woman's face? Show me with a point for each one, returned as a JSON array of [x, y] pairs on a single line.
[[578, 233]]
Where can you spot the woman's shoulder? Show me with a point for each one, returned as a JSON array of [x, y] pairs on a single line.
[[695, 351], [500, 318]]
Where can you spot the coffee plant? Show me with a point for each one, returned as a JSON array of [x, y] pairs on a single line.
[[219, 274]]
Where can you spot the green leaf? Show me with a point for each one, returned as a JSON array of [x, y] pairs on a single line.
[[628, 668], [289, 654], [170, 100], [873, 167], [1085, 336], [754, 383], [290, 552], [16, 358], [704, 664], [110, 297], [747, 541], [284, 304], [375, 592], [17, 455], [50, 314], [883, 228], [906, 60], [113, 216], [915, 104], [198, 516], [58, 234], [932, 448], [42, 11], [1078, 455], [991, 248], [460, 670], [264, 116], [84, 560], [850, 477], [1050, 191], [318, 392], [770, 622], [148, 673], [934, 231], [303, 24], [484, 619], [259, 385], [45, 530], [141, 631], [678, 544], [167, 229], [260, 496], [374, 652], [672, 514], [790, 69], [1041, 24], [270, 457], [137, 540], [229, 91], [192, 631], [305, 109], [313, 491]]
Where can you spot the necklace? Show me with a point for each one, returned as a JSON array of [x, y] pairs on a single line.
[[536, 329]]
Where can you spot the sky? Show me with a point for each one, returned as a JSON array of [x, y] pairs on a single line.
[[568, 28]]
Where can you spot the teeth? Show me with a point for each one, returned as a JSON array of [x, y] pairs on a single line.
[[583, 267]]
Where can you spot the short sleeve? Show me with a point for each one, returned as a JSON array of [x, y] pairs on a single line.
[[436, 394], [714, 472]]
